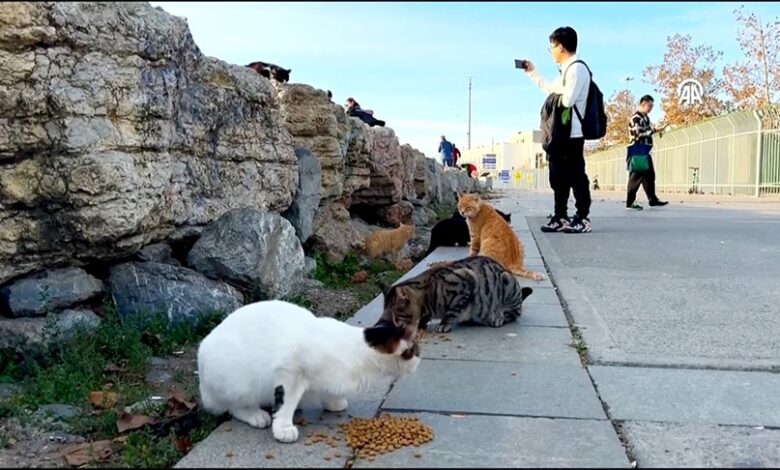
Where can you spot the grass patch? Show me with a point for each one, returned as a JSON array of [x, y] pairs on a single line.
[[579, 344], [114, 356]]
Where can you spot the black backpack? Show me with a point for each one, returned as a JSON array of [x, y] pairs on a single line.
[[594, 123]]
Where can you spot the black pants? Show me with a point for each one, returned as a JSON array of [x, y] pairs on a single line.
[[567, 172], [647, 180]]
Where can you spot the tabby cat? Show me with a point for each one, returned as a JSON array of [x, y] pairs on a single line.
[[475, 289], [454, 231], [493, 237], [383, 242]]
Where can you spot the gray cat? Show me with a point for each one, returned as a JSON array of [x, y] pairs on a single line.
[[475, 289]]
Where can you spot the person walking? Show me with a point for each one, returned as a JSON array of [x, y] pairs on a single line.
[[445, 151], [641, 132], [455, 155], [567, 166]]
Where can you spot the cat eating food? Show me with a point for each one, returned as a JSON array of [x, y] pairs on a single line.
[[492, 236], [384, 242], [476, 289], [274, 354]]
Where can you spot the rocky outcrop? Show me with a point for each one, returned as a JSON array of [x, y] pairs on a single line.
[[307, 198], [334, 233], [48, 291], [400, 213], [116, 131], [180, 294], [409, 159], [387, 171], [258, 251], [341, 144]]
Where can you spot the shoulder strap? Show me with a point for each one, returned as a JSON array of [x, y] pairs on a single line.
[[576, 111]]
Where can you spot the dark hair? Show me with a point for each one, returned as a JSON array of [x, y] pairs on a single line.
[[566, 37], [645, 99]]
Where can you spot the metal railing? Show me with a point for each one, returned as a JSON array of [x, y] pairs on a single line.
[[736, 154]]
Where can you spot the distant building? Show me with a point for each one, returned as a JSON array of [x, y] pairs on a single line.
[[522, 151]]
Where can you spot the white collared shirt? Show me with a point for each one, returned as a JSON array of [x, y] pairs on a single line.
[[574, 94]]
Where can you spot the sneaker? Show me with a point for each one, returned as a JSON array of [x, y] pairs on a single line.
[[578, 225], [556, 224], [658, 203], [635, 207]]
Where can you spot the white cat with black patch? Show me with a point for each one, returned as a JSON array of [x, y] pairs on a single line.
[[271, 353]]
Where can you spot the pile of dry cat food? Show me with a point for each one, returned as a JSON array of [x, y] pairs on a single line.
[[377, 436]]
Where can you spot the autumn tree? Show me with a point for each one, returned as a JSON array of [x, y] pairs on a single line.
[[683, 61], [755, 81], [619, 108]]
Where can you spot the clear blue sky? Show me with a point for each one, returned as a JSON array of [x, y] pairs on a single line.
[[410, 62]]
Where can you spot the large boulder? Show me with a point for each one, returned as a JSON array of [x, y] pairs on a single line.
[[180, 294], [387, 171], [307, 199], [334, 233], [117, 132], [341, 144], [409, 158], [256, 250], [158, 253], [400, 213], [48, 291]]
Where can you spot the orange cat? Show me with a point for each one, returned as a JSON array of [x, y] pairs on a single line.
[[492, 236], [390, 242]]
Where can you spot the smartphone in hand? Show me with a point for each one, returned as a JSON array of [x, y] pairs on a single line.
[[521, 64]]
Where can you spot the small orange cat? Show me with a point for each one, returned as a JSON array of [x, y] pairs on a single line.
[[382, 242], [492, 236]]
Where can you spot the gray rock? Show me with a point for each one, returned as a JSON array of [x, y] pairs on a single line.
[[57, 411], [128, 132], [180, 293], [29, 333], [307, 199], [47, 291], [69, 320], [158, 376], [258, 250], [9, 390], [158, 253], [422, 216]]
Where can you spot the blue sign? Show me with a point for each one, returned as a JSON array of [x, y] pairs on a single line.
[[489, 161], [503, 176]]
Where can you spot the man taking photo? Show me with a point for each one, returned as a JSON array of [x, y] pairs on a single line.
[[567, 166]]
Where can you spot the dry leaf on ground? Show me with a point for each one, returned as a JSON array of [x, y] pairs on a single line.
[[103, 400], [178, 406], [183, 444], [129, 422], [81, 454]]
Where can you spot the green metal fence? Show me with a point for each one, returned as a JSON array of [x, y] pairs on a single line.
[[736, 154]]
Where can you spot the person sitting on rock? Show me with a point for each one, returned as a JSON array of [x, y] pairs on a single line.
[[353, 109]]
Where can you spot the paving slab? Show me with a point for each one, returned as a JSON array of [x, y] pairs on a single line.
[[665, 445], [509, 442], [510, 343], [542, 296], [543, 315], [546, 390], [673, 288], [237, 445], [689, 396]]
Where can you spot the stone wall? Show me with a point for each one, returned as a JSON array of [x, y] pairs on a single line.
[[120, 143]]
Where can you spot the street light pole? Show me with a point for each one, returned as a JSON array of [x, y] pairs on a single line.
[[627, 79], [469, 131]]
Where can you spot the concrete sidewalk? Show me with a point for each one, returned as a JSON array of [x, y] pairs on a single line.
[[515, 396], [680, 309]]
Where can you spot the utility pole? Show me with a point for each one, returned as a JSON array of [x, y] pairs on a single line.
[[627, 79], [469, 132]]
